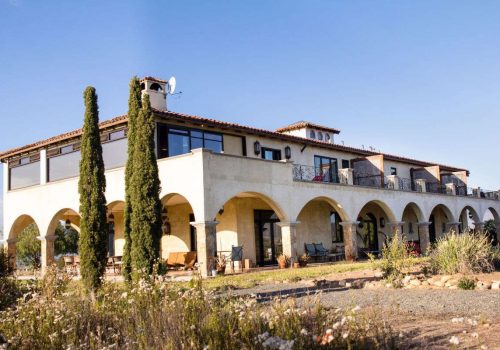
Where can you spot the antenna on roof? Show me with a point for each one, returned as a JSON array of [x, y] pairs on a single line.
[[171, 83]]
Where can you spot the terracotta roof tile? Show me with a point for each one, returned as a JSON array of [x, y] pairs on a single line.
[[153, 79], [224, 125]]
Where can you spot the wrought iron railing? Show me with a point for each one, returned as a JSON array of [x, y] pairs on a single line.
[[369, 180], [315, 174], [318, 174]]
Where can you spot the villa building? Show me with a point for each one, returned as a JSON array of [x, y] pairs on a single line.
[[226, 185]]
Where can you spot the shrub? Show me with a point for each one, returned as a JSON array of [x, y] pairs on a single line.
[[158, 315], [9, 292], [465, 253], [395, 261], [4, 263], [466, 283]]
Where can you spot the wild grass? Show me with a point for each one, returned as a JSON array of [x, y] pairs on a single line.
[[159, 315], [465, 253], [396, 261]]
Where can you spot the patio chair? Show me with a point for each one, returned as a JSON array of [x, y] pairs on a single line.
[[117, 264], [236, 255], [310, 250], [190, 260], [321, 251], [109, 264], [69, 264]]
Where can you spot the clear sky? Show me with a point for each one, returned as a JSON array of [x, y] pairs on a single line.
[[415, 78]]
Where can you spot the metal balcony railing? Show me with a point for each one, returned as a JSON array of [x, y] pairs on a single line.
[[317, 174]]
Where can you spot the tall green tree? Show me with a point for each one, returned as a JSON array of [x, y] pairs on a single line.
[[145, 195], [66, 240], [92, 185], [134, 107]]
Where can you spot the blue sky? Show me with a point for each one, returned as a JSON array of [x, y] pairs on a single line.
[[416, 78]]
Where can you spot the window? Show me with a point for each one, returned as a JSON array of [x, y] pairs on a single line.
[[67, 149], [394, 171], [345, 164], [327, 137], [271, 154], [24, 175], [24, 160], [320, 135], [116, 135], [312, 134], [326, 169], [64, 165], [337, 232], [114, 154], [155, 87], [173, 141]]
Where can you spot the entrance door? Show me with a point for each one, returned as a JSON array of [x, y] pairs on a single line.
[[371, 232], [432, 230], [268, 241]]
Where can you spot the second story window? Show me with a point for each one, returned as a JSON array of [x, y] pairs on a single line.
[[394, 171], [173, 141], [312, 134], [271, 154], [320, 136]]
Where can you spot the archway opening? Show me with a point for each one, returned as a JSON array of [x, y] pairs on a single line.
[[439, 219], [468, 219], [65, 229], [491, 226], [115, 219], [178, 235], [374, 227], [23, 246], [319, 222], [412, 215], [250, 220]]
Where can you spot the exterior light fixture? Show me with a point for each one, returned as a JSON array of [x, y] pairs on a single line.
[[111, 218], [382, 222], [288, 152], [67, 224], [256, 148], [165, 226]]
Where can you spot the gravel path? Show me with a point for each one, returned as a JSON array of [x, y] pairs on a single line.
[[418, 301]]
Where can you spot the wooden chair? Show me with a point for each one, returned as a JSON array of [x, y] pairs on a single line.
[[76, 264], [69, 264], [236, 255]]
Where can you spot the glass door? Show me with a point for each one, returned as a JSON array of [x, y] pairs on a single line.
[[327, 168], [268, 240]]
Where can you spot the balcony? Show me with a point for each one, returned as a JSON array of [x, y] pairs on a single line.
[[352, 178]]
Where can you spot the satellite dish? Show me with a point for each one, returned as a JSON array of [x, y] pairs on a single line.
[[171, 85]]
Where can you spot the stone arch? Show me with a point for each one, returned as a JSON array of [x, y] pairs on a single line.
[[22, 222], [493, 213], [465, 216], [374, 227], [70, 216], [178, 235], [319, 221], [440, 218], [446, 210], [252, 194], [417, 211]]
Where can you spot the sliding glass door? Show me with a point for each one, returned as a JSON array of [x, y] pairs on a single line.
[[327, 168]]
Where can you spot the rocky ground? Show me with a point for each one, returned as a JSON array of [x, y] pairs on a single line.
[[427, 312]]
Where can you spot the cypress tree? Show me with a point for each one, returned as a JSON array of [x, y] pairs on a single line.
[[146, 205], [91, 186], [134, 106]]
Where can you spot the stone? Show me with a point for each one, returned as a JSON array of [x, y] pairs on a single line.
[[439, 284], [495, 285], [348, 285], [451, 283], [415, 283], [445, 278], [483, 285], [357, 284], [406, 280], [425, 283], [388, 285]]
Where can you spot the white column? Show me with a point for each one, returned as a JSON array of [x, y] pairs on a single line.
[[453, 226], [289, 239], [47, 258], [451, 189], [393, 182], [420, 185], [350, 239], [397, 228], [346, 176], [4, 190], [424, 237], [43, 167], [206, 245]]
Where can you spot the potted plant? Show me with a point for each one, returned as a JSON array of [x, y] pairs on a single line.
[[221, 262], [283, 261], [304, 259]]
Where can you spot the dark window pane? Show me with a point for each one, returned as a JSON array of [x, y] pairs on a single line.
[[25, 175], [114, 153], [67, 149], [177, 144], [64, 166], [215, 146], [214, 137], [196, 143], [25, 160], [161, 139], [197, 134]]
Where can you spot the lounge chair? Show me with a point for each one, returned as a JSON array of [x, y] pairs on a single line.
[[181, 260], [316, 251]]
